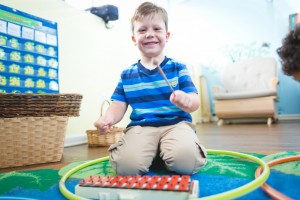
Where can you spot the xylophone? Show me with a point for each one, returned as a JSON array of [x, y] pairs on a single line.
[[173, 187]]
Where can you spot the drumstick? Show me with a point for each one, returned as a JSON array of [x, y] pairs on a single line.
[[163, 75]]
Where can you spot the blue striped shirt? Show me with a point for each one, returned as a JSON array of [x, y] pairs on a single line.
[[149, 95]]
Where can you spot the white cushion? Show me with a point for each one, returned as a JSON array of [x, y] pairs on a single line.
[[248, 79], [249, 75]]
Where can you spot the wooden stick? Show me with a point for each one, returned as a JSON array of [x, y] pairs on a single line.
[[163, 75]]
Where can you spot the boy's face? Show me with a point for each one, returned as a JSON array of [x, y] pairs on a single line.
[[150, 35]]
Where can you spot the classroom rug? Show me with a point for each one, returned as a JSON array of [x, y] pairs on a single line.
[[220, 174]]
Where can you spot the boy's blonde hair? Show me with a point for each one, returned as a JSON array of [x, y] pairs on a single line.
[[146, 9]]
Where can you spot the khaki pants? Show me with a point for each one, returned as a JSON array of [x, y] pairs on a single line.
[[177, 145]]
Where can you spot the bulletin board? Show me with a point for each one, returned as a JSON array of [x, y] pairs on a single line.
[[28, 53]]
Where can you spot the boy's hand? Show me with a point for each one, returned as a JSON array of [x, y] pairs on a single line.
[[181, 99], [189, 102], [113, 115], [103, 125]]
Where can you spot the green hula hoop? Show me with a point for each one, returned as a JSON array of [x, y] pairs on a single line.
[[231, 194]]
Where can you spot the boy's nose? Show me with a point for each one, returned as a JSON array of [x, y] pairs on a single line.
[[149, 34]]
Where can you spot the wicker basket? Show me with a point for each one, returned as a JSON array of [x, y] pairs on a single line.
[[31, 140], [39, 105], [96, 139]]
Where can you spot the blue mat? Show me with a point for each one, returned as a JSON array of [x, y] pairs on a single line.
[[222, 173]]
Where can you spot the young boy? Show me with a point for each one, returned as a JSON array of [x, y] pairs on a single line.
[[289, 53], [160, 121]]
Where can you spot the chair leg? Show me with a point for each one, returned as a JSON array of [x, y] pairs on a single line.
[[269, 121], [220, 122]]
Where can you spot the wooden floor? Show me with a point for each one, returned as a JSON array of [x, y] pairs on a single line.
[[256, 138]]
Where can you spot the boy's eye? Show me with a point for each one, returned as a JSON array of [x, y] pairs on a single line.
[[141, 30], [157, 29]]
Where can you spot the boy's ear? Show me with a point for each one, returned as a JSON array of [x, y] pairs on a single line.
[[133, 39], [168, 36]]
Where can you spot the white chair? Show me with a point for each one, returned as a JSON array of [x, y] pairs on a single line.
[[248, 91]]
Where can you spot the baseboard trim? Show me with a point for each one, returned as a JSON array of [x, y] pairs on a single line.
[[289, 117], [74, 140]]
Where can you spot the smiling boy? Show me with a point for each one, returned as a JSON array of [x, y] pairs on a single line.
[[161, 124]]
